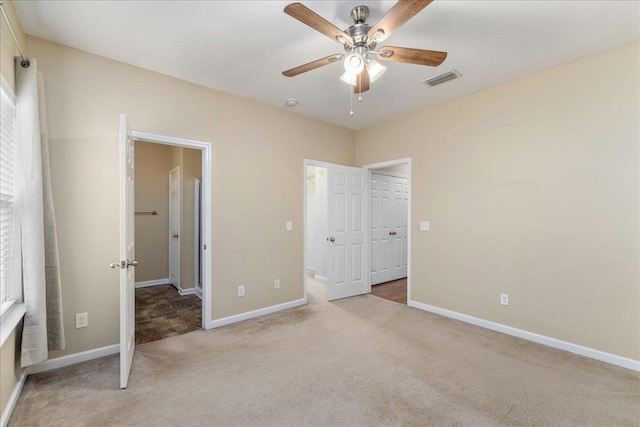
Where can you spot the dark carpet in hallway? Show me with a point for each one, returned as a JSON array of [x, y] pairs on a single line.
[[161, 312]]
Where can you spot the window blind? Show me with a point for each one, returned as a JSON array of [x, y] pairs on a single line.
[[8, 244]]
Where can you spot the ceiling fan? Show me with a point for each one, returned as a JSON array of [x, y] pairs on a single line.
[[360, 40]]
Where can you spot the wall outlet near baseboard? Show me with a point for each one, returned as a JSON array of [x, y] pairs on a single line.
[[241, 290], [82, 320], [504, 299], [276, 284]]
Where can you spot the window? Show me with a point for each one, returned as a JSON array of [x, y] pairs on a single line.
[[10, 276]]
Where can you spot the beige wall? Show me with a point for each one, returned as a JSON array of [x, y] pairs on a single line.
[[152, 165], [532, 190], [8, 49], [258, 154], [10, 369], [9, 353]]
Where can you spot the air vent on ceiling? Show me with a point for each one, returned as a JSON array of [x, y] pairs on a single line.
[[450, 75]]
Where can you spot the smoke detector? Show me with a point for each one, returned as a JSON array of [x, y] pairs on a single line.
[[290, 103]]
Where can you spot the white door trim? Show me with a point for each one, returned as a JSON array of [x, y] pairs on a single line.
[[206, 208], [368, 236]]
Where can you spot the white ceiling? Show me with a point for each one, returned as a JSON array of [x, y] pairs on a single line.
[[241, 47]]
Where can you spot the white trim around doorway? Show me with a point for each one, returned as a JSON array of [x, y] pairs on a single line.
[[380, 165], [206, 149]]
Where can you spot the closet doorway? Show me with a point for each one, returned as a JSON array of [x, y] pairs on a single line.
[[389, 205], [168, 298]]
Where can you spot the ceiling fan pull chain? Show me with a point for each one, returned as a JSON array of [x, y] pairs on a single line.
[[351, 100], [360, 85]]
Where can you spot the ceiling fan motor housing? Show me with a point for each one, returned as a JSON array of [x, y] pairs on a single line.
[[359, 32], [359, 14]]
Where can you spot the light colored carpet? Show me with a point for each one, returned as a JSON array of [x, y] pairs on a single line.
[[356, 361]]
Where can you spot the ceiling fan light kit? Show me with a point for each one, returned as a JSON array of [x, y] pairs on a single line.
[[373, 67], [360, 40]]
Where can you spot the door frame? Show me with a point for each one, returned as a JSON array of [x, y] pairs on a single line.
[[327, 165], [370, 168], [206, 149]]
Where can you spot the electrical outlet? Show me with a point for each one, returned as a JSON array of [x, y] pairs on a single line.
[[504, 299], [82, 320], [289, 226], [241, 290], [424, 226], [276, 284]]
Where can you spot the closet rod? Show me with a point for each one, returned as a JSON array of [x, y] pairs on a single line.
[[25, 62]]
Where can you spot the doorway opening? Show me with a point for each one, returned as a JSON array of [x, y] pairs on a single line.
[[316, 259], [389, 192], [168, 299], [127, 263], [357, 230], [389, 201]]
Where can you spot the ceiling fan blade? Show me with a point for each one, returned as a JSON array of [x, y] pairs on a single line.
[[396, 17], [315, 21], [432, 58], [312, 65], [362, 82]]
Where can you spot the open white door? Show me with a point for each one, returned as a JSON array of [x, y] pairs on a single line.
[[347, 223], [127, 252]]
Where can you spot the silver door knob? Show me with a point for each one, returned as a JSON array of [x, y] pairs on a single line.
[[132, 263], [331, 239], [114, 265]]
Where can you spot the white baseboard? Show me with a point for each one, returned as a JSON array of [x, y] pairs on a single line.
[[72, 359], [530, 336], [255, 313], [189, 291], [321, 278], [11, 404], [155, 282], [198, 292]]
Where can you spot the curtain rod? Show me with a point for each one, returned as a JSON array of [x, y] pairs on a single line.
[[25, 62]]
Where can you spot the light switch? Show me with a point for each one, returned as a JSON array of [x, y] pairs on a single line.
[[424, 225], [289, 226]]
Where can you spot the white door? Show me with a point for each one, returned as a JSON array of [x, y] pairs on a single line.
[[380, 229], [174, 227], [347, 222], [127, 252], [399, 226]]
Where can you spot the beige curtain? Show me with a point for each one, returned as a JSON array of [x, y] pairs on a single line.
[[43, 327]]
